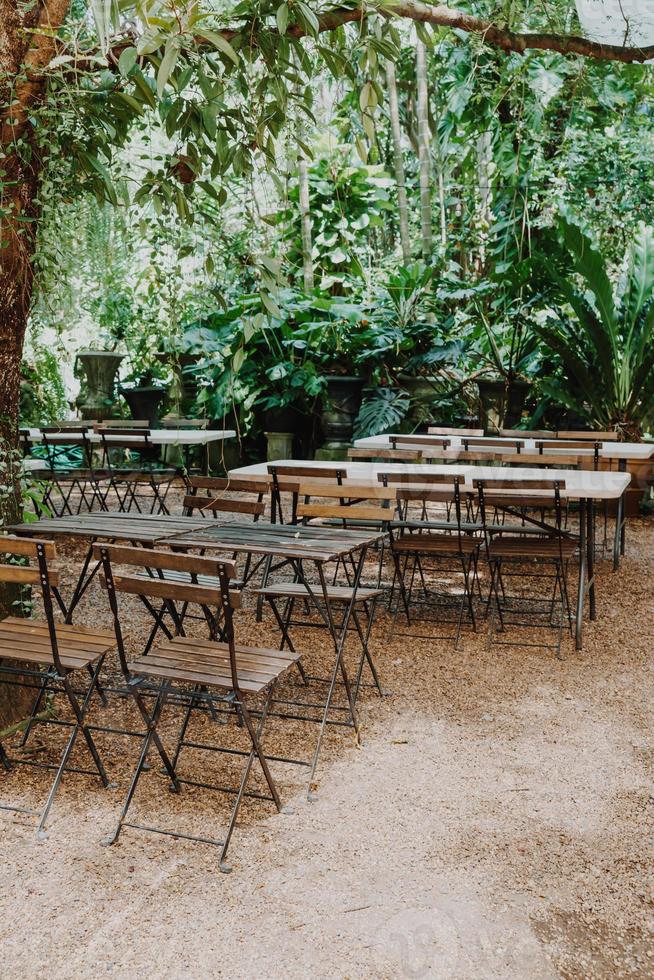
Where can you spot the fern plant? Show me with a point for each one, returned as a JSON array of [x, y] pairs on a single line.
[[603, 335]]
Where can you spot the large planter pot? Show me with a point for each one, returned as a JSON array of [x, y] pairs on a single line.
[[422, 392], [500, 407], [144, 403], [341, 406], [97, 396], [279, 445]]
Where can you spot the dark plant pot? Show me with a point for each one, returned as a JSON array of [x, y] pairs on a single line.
[[144, 403], [97, 396], [422, 392], [500, 407], [281, 420], [341, 405]]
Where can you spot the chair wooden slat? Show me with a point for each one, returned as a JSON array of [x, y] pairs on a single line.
[[21, 575], [11, 544], [162, 588], [163, 560], [223, 504], [588, 436]]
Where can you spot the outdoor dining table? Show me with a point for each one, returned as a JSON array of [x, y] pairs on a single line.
[[299, 546], [184, 438], [611, 450], [143, 530], [585, 487]]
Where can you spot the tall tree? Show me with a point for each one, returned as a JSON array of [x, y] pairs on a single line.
[[398, 161], [424, 150]]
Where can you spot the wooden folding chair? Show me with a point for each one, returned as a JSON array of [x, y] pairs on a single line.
[[285, 478], [540, 545], [78, 486], [420, 541], [216, 673], [351, 507], [135, 480], [424, 442], [390, 455], [45, 655]]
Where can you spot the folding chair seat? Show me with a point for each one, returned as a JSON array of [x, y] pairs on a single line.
[[206, 675], [44, 655], [428, 544], [544, 555], [532, 548]]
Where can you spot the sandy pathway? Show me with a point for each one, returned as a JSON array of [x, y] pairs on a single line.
[[496, 823]]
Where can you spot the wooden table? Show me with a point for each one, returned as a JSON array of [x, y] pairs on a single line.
[[628, 451], [158, 437], [139, 529], [297, 545], [584, 486]]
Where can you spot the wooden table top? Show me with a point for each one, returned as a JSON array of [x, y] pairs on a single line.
[[579, 484], [321, 544], [113, 525], [158, 437], [607, 450]]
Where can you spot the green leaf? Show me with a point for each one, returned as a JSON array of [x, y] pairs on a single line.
[[220, 43], [309, 20], [238, 360], [167, 65], [282, 18], [127, 61]]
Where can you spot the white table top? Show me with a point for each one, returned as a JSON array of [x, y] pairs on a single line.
[[608, 450], [158, 437], [600, 485]]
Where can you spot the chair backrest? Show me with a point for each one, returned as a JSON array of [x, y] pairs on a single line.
[[590, 436], [122, 424], [41, 575], [486, 443], [287, 477], [338, 473], [402, 442], [418, 477], [212, 495], [443, 430], [347, 503], [155, 585], [512, 493], [65, 436], [570, 444], [399, 455], [135, 439], [528, 433]]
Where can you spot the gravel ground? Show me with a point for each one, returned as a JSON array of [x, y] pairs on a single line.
[[496, 822]]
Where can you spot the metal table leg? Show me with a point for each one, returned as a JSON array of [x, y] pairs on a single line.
[[581, 586]]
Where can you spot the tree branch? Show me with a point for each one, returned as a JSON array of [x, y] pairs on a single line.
[[442, 16]]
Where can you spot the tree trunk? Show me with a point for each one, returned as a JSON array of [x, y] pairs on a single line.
[[27, 44], [398, 162], [424, 150], [305, 219], [16, 276]]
